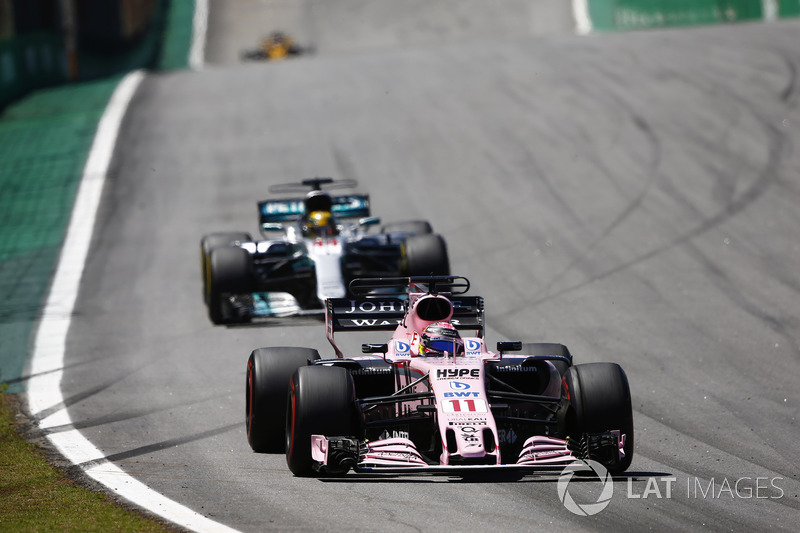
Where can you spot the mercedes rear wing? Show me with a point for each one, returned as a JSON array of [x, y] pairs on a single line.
[[290, 209]]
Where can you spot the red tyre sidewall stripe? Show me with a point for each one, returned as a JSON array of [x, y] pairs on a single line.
[[250, 399], [294, 411]]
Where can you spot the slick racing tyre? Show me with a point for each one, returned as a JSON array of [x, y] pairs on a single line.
[[215, 240], [321, 402], [417, 227], [426, 255], [600, 401], [268, 373], [229, 272], [549, 348]]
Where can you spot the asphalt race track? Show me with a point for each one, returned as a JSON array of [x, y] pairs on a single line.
[[632, 196]]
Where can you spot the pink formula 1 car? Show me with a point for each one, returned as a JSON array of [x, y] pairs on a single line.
[[434, 397]]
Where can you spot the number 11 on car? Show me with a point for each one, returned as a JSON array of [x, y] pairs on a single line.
[[460, 405]]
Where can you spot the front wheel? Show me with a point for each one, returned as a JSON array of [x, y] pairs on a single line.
[[600, 401], [268, 373], [321, 402], [215, 240], [229, 272]]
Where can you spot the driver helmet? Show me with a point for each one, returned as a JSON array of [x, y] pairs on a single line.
[[318, 201], [438, 338], [320, 223]]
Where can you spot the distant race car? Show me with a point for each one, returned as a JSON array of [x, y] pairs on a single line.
[[313, 246], [275, 47], [428, 399]]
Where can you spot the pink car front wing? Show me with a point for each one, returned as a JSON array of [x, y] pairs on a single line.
[[400, 454]]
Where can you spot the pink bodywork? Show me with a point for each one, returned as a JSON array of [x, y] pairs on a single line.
[[462, 405]]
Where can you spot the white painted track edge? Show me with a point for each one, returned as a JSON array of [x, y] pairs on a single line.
[[45, 400], [580, 12], [197, 50]]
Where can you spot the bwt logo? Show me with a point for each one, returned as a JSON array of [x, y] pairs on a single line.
[[459, 385], [472, 345], [401, 347]]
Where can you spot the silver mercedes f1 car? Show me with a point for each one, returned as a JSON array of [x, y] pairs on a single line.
[[312, 247]]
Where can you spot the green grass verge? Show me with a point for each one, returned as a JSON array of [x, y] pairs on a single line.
[[35, 496]]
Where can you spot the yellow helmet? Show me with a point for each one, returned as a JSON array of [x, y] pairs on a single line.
[[319, 218], [320, 223]]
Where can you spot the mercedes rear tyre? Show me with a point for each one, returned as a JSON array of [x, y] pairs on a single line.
[[417, 227], [426, 255]]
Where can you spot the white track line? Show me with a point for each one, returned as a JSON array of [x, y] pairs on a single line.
[[199, 27], [769, 10], [583, 22], [45, 400]]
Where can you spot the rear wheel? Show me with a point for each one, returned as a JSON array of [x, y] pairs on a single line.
[[426, 255], [600, 401], [417, 227], [228, 272], [321, 402], [268, 373]]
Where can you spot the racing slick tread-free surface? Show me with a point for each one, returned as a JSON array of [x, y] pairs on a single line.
[[418, 227], [229, 272], [427, 255], [268, 373], [321, 402], [600, 400], [215, 240]]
